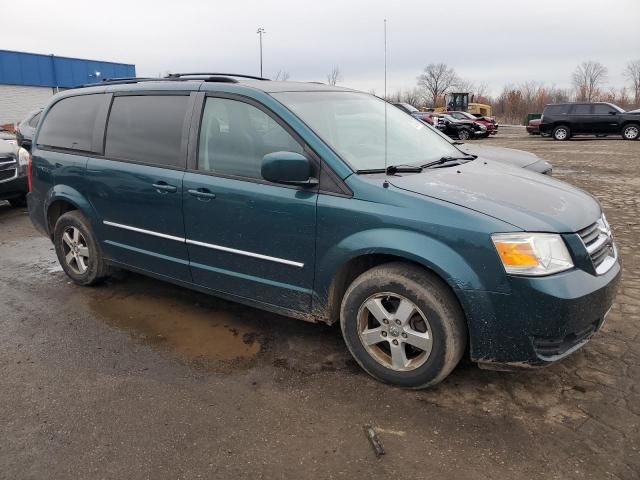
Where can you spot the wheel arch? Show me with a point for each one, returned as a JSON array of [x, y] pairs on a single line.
[[451, 269], [63, 199]]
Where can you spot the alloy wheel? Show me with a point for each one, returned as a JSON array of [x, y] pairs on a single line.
[[631, 132], [76, 251], [561, 134], [394, 331]]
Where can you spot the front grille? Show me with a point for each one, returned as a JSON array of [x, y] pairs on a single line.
[[598, 241], [549, 347], [7, 174]]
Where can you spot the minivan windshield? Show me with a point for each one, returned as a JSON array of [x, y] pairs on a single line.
[[353, 124]]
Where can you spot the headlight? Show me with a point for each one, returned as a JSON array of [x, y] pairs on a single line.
[[532, 254], [23, 157]]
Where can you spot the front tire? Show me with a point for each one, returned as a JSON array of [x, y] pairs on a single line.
[[78, 250], [403, 325], [631, 132], [464, 134], [561, 133]]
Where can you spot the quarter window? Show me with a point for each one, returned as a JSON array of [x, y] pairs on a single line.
[[34, 120], [147, 129], [235, 136], [555, 109], [70, 122]]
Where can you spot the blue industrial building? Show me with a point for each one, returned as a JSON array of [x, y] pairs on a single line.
[[27, 80]]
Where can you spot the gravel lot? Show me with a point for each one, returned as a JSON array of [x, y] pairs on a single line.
[[140, 379]]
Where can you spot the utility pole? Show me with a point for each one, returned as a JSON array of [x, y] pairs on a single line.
[[260, 32]]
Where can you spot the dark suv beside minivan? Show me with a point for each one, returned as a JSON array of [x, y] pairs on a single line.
[[328, 205], [565, 120]]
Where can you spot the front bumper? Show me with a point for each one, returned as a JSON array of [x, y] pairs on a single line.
[[541, 320], [14, 188]]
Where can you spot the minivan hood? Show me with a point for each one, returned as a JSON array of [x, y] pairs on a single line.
[[519, 158], [527, 200]]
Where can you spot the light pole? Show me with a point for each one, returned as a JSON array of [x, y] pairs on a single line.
[[260, 32]]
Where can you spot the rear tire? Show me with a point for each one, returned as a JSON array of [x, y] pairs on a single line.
[[78, 250], [631, 131], [403, 325], [561, 133]]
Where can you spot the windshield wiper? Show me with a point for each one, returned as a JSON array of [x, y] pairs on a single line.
[[443, 160], [392, 169]]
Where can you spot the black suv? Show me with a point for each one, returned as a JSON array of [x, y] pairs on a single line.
[[565, 120]]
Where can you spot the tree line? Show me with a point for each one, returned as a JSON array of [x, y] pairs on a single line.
[[514, 102]]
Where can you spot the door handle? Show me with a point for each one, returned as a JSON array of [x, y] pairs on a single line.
[[164, 187], [201, 194]]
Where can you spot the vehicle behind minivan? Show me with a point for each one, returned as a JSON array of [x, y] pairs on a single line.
[[328, 205], [566, 120]]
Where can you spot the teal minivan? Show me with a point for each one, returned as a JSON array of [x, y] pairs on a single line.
[[328, 205]]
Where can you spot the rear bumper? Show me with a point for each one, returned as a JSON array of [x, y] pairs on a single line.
[[541, 321], [545, 128], [36, 213]]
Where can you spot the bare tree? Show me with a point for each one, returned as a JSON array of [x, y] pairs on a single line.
[[479, 92], [282, 76], [632, 73], [412, 97], [334, 76], [436, 80], [587, 78]]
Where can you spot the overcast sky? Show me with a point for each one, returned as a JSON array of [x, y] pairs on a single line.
[[496, 42]]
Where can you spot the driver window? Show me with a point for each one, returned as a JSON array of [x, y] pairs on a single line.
[[235, 136]]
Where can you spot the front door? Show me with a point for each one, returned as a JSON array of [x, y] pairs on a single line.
[[604, 121], [136, 188], [247, 237]]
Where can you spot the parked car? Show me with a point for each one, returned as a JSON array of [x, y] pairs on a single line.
[[508, 156], [566, 120], [8, 137], [26, 129], [13, 174], [407, 108], [462, 129], [290, 197], [488, 122], [534, 126]]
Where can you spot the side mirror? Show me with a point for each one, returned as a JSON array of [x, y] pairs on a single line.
[[612, 112], [287, 167]]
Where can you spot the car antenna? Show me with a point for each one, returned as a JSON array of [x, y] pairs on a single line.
[[385, 95]]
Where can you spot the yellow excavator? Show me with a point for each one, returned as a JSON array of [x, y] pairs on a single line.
[[460, 102]]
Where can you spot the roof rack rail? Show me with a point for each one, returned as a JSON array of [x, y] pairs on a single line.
[[215, 74], [120, 81], [125, 79], [173, 77]]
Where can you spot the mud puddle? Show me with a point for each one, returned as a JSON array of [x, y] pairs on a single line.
[[205, 337]]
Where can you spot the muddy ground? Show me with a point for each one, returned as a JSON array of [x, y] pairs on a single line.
[[141, 379]]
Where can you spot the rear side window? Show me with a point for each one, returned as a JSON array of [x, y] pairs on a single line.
[[555, 109], [70, 122], [584, 109], [147, 129]]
